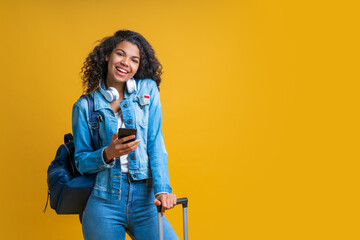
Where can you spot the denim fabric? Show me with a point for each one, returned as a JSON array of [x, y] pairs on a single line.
[[135, 213], [141, 110]]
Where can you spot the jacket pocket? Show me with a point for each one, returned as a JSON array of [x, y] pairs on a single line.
[[142, 110], [103, 178]]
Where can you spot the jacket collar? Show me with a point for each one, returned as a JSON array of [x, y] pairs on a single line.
[[100, 102]]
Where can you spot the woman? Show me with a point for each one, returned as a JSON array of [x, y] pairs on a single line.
[[122, 75]]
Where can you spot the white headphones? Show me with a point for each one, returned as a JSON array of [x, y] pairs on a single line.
[[111, 94], [131, 85]]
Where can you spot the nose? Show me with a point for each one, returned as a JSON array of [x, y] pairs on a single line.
[[125, 61]]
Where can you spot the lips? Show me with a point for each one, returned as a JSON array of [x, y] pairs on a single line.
[[121, 71]]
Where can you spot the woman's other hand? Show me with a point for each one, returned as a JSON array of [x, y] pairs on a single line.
[[117, 148], [167, 200]]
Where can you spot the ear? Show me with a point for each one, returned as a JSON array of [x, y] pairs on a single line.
[[107, 57]]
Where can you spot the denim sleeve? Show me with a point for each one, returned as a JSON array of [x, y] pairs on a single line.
[[156, 146], [87, 160], [160, 193]]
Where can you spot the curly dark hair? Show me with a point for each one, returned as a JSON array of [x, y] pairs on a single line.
[[95, 66]]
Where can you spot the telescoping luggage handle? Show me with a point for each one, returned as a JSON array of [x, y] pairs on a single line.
[[184, 202]]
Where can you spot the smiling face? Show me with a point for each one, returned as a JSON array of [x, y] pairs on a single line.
[[123, 63]]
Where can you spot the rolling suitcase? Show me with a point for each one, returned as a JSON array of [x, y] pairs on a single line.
[[184, 202]]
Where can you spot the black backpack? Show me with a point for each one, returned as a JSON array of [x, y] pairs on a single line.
[[67, 188]]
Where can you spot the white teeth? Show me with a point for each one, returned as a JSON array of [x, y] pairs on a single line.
[[121, 70]]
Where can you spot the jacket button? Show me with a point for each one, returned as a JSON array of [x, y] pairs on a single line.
[[134, 175], [125, 105], [142, 106], [129, 122], [133, 157]]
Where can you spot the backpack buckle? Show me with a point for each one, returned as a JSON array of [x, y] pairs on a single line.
[[94, 125]]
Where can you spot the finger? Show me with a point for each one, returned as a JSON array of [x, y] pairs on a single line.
[[174, 200], [128, 147], [127, 138], [132, 143], [169, 202], [163, 201], [157, 202]]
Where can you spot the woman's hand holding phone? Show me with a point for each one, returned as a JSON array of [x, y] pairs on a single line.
[[117, 147]]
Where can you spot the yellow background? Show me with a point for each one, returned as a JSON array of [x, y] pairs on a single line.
[[260, 104]]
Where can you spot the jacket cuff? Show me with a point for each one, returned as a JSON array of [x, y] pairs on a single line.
[[160, 193], [164, 189], [102, 164]]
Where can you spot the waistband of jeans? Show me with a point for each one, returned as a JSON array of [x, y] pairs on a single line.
[[127, 176]]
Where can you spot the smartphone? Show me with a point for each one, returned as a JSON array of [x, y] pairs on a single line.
[[124, 132]]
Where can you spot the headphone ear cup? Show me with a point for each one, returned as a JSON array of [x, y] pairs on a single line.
[[111, 94], [107, 95], [131, 85], [114, 95]]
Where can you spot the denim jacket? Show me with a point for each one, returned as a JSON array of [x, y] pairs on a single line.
[[141, 110]]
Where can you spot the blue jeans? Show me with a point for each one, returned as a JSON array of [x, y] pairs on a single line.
[[135, 213]]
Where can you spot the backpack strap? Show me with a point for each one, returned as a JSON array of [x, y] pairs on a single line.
[[93, 121], [95, 129]]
